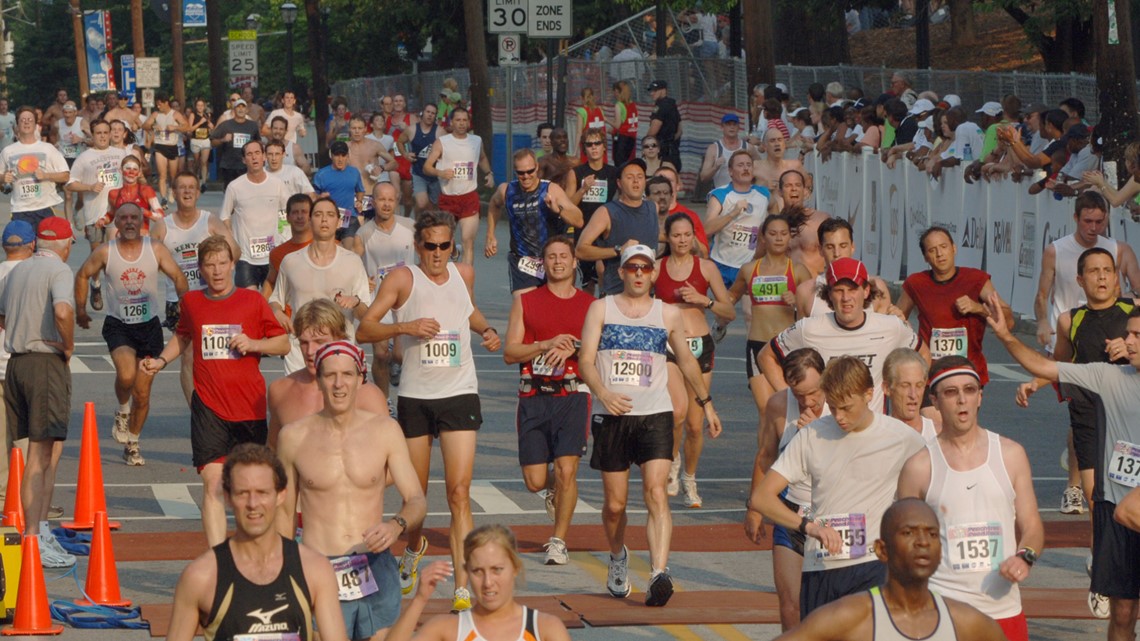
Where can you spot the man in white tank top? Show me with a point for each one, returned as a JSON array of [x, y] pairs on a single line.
[[453, 160], [132, 264], [981, 485], [904, 607], [715, 165], [181, 233], [435, 313], [385, 243], [622, 361], [904, 384]]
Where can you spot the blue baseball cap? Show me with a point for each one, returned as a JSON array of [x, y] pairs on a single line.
[[730, 118], [18, 232]]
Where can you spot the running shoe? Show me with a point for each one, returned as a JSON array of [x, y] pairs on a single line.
[[617, 580], [132, 455], [171, 320], [391, 407], [548, 499], [689, 486], [1088, 564], [394, 370], [718, 332], [461, 601], [456, 256], [54, 511], [410, 567], [1072, 500], [1098, 605], [556, 553], [119, 430], [660, 589], [52, 555], [96, 297], [674, 486], [1065, 459]]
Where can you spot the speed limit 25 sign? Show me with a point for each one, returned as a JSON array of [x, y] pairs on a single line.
[[506, 16]]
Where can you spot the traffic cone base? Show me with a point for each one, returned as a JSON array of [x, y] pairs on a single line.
[[102, 576], [33, 617], [89, 495], [16, 520]]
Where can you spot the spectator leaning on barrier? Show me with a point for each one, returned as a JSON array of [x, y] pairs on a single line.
[[834, 94], [902, 87], [1052, 126]]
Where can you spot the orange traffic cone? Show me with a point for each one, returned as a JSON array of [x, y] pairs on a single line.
[[32, 613], [102, 576], [89, 496], [13, 504]]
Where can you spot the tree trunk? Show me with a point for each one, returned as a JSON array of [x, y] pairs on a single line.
[[1115, 79], [962, 31], [759, 53], [480, 76], [320, 82], [176, 52], [218, 70], [80, 48], [137, 35]]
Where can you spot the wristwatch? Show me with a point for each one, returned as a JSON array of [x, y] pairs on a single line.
[[401, 522], [1028, 554], [704, 401]]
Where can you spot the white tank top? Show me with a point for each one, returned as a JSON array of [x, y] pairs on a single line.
[[132, 287], [440, 367], [800, 492], [884, 625], [385, 251], [183, 245], [162, 123], [66, 148], [289, 160], [928, 431], [528, 631], [462, 156], [631, 358], [977, 516], [1067, 294], [721, 177]]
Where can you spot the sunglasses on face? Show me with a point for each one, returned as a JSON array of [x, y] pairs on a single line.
[[638, 268], [526, 172], [444, 246], [593, 143], [649, 147]]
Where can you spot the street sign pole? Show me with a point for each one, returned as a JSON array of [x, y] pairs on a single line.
[[510, 48]]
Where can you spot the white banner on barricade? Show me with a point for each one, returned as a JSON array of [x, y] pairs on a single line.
[[1027, 228], [870, 237], [892, 202], [946, 212], [971, 238], [829, 184], [851, 202], [917, 216], [1001, 244]]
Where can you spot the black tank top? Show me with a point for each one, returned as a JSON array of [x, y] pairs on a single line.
[[1090, 328], [279, 610]]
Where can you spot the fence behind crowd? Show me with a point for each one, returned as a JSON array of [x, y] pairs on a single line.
[[997, 226]]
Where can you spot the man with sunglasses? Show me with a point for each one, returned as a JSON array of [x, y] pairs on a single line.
[[597, 185], [433, 304], [536, 210], [628, 220], [622, 361], [981, 486]]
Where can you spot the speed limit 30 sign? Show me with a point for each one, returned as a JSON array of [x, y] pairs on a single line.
[[506, 16]]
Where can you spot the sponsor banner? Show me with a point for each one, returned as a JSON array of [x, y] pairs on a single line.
[[97, 34]]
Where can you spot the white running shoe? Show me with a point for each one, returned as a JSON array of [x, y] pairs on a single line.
[[674, 486], [556, 553], [409, 566], [132, 455], [52, 554], [119, 430], [617, 580], [548, 500], [1072, 501], [1098, 605], [689, 486]]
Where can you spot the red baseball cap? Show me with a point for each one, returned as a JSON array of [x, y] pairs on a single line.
[[847, 269], [54, 228]]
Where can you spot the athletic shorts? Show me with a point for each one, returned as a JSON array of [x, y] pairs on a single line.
[[169, 151], [144, 338], [621, 441], [198, 145], [727, 274], [423, 185], [550, 427], [704, 355], [824, 586], [519, 279], [790, 538], [430, 416], [37, 395], [212, 437], [1016, 628], [1116, 564], [95, 234], [752, 357], [368, 615], [587, 271], [404, 168], [1083, 421], [249, 275], [34, 216], [463, 206]]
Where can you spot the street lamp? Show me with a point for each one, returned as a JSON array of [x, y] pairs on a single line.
[[252, 21], [289, 16]]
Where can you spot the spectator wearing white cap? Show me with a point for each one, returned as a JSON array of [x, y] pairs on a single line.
[[952, 100], [991, 116]]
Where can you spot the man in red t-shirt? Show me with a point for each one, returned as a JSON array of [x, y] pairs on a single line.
[[951, 317], [229, 329], [543, 336]]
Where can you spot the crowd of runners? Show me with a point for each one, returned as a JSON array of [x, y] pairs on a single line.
[[872, 475]]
